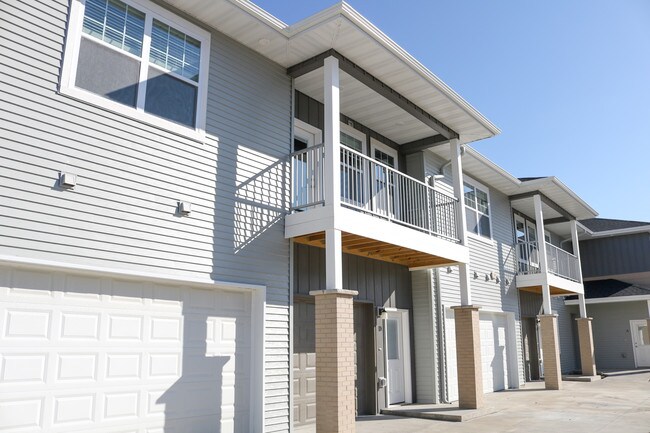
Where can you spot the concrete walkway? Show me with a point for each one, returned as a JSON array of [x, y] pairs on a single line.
[[619, 403]]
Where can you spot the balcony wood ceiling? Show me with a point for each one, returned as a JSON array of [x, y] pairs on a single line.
[[378, 250]]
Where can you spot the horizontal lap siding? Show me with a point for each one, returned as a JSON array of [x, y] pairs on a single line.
[[121, 215], [495, 256]]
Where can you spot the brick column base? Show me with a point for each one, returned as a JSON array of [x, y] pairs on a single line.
[[335, 400], [550, 351], [586, 339], [468, 357]]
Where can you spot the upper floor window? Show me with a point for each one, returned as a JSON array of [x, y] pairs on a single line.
[[137, 58], [477, 210]]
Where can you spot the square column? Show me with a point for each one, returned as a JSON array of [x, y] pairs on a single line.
[[586, 339], [541, 248], [468, 357], [332, 133], [335, 396], [550, 351]]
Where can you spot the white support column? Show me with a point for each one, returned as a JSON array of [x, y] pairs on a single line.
[[332, 133], [576, 246], [461, 218], [333, 260], [541, 249]]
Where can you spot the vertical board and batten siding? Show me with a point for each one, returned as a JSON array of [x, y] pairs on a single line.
[[131, 175], [613, 346], [615, 255], [531, 306], [487, 256], [382, 283]]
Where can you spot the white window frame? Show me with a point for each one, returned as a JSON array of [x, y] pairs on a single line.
[[485, 189], [376, 144], [359, 135], [71, 57]]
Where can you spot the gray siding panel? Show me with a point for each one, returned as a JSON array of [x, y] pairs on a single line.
[[495, 256], [131, 174], [615, 255], [382, 283], [611, 328]]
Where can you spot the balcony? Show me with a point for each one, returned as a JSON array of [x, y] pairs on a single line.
[[563, 269], [384, 214]]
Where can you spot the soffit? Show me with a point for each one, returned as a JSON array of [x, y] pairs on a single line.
[[342, 28]]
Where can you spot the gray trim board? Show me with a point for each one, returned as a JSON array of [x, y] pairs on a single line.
[[423, 144], [547, 201], [378, 86]]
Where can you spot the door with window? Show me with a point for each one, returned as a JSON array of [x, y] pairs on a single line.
[[398, 359], [384, 191], [641, 341], [353, 168], [527, 248], [306, 165]]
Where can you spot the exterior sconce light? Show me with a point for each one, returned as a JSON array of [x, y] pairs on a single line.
[[475, 275], [67, 180], [184, 208], [449, 270]]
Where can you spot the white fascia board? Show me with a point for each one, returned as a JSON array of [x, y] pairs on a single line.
[[351, 221], [611, 300], [51, 265], [539, 279], [619, 232], [262, 15], [563, 283], [370, 29], [552, 181]]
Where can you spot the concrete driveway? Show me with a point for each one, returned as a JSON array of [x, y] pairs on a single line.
[[619, 403]]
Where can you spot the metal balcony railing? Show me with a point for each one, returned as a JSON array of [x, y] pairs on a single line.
[[561, 263], [375, 188]]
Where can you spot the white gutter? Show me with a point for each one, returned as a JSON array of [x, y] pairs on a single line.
[[617, 232], [610, 300]]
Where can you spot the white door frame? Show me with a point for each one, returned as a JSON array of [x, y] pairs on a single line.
[[634, 339], [389, 183], [406, 351], [305, 131]]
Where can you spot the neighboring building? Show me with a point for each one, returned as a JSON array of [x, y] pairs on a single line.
[[616, 267], [202, 205]]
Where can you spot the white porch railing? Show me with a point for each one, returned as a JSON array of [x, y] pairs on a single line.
[[375, 188], [561, 263]]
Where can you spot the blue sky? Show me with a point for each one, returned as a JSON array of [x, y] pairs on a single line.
[[567, 81]]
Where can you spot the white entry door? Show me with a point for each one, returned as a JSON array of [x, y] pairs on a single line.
[[641, 342], [398, 360]]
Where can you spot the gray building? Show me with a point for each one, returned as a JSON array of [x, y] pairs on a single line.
[[616, 267]]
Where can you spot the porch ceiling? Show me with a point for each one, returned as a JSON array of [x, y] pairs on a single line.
[[367, 107], [555, 291], [379, 250]]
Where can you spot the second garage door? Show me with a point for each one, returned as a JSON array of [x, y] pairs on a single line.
[[83, 353]]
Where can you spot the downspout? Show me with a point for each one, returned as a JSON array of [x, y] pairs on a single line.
[[442, 354], [448, 163]]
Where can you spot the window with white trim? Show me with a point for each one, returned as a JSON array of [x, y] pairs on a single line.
[[139, 59], [477, 210]]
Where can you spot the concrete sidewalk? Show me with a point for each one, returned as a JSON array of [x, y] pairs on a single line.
[[619, 403]]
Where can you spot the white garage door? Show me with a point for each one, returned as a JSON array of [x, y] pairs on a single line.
[[493, 328], [80, 354]]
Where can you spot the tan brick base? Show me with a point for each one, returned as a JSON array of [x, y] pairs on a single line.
[[550, 351], [468, 357], [335, 400], [586, 339]]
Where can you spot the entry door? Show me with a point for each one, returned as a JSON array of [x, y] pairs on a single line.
[[398, 357], [383, 183], [641, 342], [305, 165]]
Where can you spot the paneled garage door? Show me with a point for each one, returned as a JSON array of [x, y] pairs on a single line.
[[494, 353], [79, 353]]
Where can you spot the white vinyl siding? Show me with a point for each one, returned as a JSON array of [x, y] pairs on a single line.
[[131, 174], [494, 256]]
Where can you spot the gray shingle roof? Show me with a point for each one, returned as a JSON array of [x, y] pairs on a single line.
[[612, 288], [604, 224]]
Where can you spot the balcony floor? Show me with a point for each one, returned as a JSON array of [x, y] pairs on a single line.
[[376, 249]]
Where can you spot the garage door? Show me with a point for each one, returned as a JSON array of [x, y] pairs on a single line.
[[81, 353], [493, 329]]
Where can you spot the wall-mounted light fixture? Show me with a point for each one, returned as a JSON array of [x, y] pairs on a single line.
[[382, 312], [475, 275], [184, 208], [67, 180], [449, 270]]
